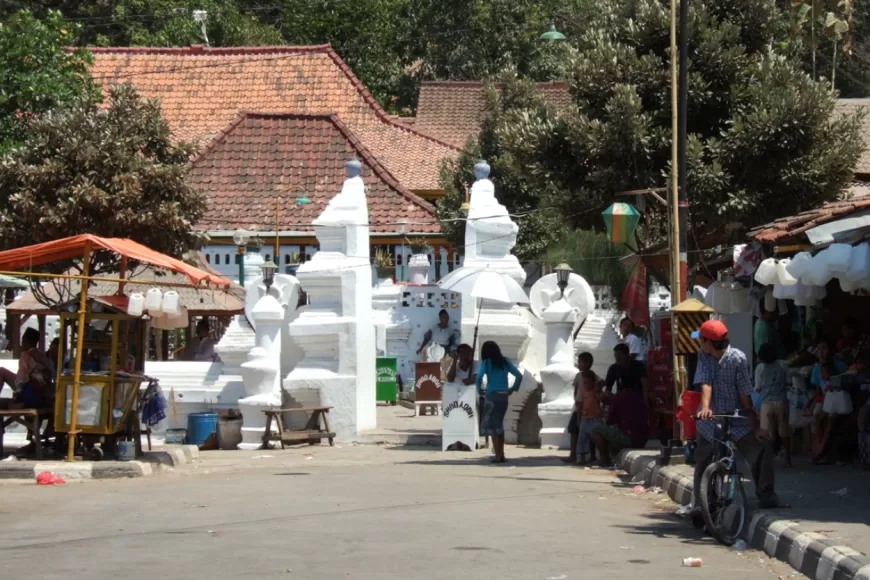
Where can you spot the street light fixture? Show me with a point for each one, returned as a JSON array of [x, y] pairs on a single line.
[[563, 271], [552, 34], [241, 239], [268, 268]]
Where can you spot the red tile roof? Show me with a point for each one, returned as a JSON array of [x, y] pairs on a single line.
[[203, 89], [790, 229], [454, 110], [850, 107], [261, 155]]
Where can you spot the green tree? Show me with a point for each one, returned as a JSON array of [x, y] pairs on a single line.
[[36, 73], [110, 171], [592, 255], [763, 139], [539, 225]]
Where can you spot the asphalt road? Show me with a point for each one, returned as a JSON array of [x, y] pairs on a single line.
[[358, 512]]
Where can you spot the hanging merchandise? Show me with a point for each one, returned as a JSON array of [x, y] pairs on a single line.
[[818, 273], [839, 258], [739, 298], [781, 292], [805, 295], [170, 302], [799, 265], [785, 278], [154, 300], [769, 300], [766, 272], [136, 304], [847, 285], [171, 321], [719, 297], [859, 267], [747, 257], [621, 220]]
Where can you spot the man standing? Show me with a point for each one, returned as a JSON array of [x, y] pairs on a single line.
[[723, 376], [634, 342], [627, 373]]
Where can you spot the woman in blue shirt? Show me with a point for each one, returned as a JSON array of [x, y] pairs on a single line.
[[496, 368]]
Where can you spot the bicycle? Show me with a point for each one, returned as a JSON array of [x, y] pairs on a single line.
[[721, 497]]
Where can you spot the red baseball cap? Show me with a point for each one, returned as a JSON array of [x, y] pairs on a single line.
[[711, 330]]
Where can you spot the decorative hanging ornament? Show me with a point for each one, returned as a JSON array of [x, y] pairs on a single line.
[[621, 220]]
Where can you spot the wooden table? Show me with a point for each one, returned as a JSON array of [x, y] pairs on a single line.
[[30, 418], [315, 430]]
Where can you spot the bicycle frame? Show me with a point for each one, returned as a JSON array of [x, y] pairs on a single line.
[[724, 450]]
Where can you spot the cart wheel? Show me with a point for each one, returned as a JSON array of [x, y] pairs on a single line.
[[95, 454]]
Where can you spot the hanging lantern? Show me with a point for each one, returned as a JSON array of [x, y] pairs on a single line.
[[621, 220]]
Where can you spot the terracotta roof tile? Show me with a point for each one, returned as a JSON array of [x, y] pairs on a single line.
[[850, 107], [202, 89], [455, 110], [261, 155], [789, 229]]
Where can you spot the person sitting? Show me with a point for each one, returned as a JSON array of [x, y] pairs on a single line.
[[201, 348], [627, 425], [464, 368], [849, 336], [771, 381], [34, 380], [442, 334]]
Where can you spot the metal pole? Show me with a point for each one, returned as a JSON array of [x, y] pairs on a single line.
[[674, 197], [77, 365], [682, 202], [242, 250]]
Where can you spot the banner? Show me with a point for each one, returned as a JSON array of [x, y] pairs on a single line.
[[635, 298]]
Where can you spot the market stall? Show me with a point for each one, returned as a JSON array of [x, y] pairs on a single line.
[[103, 389]]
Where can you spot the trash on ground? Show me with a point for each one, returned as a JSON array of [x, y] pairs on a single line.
[[561, 577], [639, 489], [656, 490], [196, 505], [841, 492], [48, 478], [684, 511], [740, 545], [692, 562], [11, 458], [263, 456], [309, 457]]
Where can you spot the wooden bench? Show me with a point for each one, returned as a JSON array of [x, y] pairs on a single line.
[[315, 430], [29, 418]]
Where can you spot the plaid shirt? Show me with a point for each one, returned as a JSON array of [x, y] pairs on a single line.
[[729, 377]]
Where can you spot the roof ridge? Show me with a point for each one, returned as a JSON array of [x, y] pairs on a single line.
[[370, 158], [481, 84], [375, 105], [201, 49]]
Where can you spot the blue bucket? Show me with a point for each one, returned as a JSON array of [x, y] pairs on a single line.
[[200, 426]]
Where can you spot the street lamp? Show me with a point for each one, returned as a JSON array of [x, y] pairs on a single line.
[[563, 270], [552, 34], [268, 268], [240, 239]]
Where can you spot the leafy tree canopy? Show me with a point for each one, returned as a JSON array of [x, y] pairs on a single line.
[[110, 171], [763, 138], [36, 73]]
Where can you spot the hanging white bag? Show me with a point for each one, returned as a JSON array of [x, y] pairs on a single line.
[[154, 300], [798, 265], [818, 273], [859, 267], [136, 304], [766, 272]]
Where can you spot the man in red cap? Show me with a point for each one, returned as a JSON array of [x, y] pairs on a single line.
[[723, 377]]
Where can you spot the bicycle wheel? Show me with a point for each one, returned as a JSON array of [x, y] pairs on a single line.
[[722, 504]]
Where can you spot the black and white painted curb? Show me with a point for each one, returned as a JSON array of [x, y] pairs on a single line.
[[811, 554], [152, 462]]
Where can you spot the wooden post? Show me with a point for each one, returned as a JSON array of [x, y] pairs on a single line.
[[164, 345], [122, 275], [77, 368], [15, 323], [40, 320]]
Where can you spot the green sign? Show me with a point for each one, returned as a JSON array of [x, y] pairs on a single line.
[[387, 386]]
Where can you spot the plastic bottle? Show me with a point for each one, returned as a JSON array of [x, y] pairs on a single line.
[[692, 562]]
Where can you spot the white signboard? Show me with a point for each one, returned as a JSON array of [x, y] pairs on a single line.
[[459, 416]]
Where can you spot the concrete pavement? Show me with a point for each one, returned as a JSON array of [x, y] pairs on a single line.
[[358, 512]]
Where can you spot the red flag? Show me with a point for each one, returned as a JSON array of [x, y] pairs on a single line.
[[635, 298]]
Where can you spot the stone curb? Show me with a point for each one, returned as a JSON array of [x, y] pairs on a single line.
[[151, 463], [813, 555]]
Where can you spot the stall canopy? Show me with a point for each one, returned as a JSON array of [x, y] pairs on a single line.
[[74, 248]]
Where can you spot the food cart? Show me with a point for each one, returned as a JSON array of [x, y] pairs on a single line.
[[105, 398]]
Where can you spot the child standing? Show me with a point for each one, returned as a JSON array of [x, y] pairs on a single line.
[[771, 381], [589, 408]]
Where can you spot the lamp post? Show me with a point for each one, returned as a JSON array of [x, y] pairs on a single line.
[[268, 268], [563, 271], [240, 239]]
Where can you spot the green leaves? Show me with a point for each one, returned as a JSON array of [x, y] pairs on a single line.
[[107, 171]]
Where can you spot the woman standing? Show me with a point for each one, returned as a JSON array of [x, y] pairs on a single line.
[[496, 368]]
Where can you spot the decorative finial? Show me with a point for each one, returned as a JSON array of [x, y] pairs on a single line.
[[481, 170], [353, 168]]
